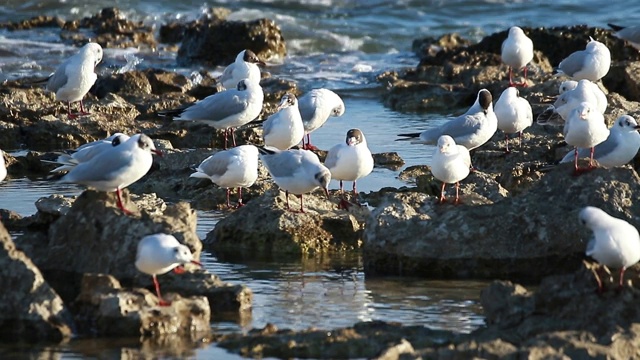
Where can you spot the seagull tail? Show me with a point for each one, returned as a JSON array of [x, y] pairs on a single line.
[[267, 150], [173, 112], [38, 81], [615, 27]]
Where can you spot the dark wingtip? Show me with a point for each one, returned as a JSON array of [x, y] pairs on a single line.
[[411, 135], [615, 27], [264, 151]]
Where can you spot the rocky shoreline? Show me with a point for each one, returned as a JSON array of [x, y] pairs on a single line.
[[518, 221]]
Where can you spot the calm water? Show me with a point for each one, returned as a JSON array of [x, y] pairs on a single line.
[[338, 44]]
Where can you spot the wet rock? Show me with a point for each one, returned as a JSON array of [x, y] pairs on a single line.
[[110, 29], [413, 235], [390, 160], [29, 308], [174, 31], [34, 22], [217, 43], [104, 308], [265, 226]]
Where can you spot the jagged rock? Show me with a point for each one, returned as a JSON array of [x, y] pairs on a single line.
[[216, 42], [174, 31], [104, 308], [29, 308], [527, 236], [265, 226]]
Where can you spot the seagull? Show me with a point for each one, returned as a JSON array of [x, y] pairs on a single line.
[[315, 108], [618, 149], [284, 129], [160, 253], [615, 242], [3, 167], [237, 167], [628, 33], [517, 52], [471, 130], [585, 128], [450, 164], [592, 64], [224, 110], [514, 114], [245, 67], [350, 161], [584, 91], [86, 152], [115, 168], [73, 79], [567, 85], [296, 171]]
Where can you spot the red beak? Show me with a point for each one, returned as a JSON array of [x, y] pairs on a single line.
[[158, 152], [196, 262]]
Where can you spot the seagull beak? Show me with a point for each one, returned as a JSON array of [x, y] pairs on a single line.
[[261, 63], [196, 263], [351, 141], [637, 127], [158, 152]]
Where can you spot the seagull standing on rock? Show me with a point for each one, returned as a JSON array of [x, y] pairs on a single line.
[[584, 91], [87, 152], [585, 128], [284, 129], [316, 107], [591, 64], [73, 79], [296, 171], [629, 33], [224, 110], [450, 164], [115, 168], [620, 147], [350, 161], [514, 114], [237, 167], [615, 242], [471, 130], [517, 52], [160, 253], [245, 67]]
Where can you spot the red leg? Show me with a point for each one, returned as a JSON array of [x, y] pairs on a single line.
[[343, 204], [226, 137], [520, 139], [82, 111], [511, 83], [228, 203], [591, 166], [596, 273], [442, 198], [120, 203], [506, 139], [240, 203], [69, 113], [301, 204], [524, 83], [576, 170], [161, 302], [233, 136], [621, 282], [457, 200]]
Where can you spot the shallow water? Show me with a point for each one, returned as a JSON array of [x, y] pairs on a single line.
[[338, 44]]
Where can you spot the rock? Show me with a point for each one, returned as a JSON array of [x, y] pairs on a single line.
[[391, 160], [103, 308], [413, 235], [174, 31], [29, 308], [34, 22], [265, 226], [216, 43]]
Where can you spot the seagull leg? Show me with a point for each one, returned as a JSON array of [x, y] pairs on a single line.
[[308, 146], [457, 200], [228, 203], [120, 204], [161, 302], [442, 199], [343, 204], [233, 136], [69, 113], [506, 139], [591, 166], [520, 139], [621, 282], [286, 196], [82, 111], [240, 203], [226, 137], [511, 83], [596, 274], [576, 169], [301, 205]]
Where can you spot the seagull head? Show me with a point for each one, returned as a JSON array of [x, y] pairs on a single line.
[[323, 178], [287, 100], [93, 50], [355, 137], [583, 110], [627, 123], [182, 255], [446, 144], [251, 57], [145, 143], [484, 99]]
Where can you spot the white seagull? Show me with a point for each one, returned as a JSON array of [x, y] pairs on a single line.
[[73, 79], [237, 167], [615, 242], [450, 164], [296, 171], [350, 161], [585, 128], [3, 167], [245, 67], [620, 147], [569, 99], [471, 130], [160, 253], [592, 64], [115, 168], [629, 33], [316, 107], [224, 110], [284, 129], [514, 114], [517, 52], [87, 152]]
